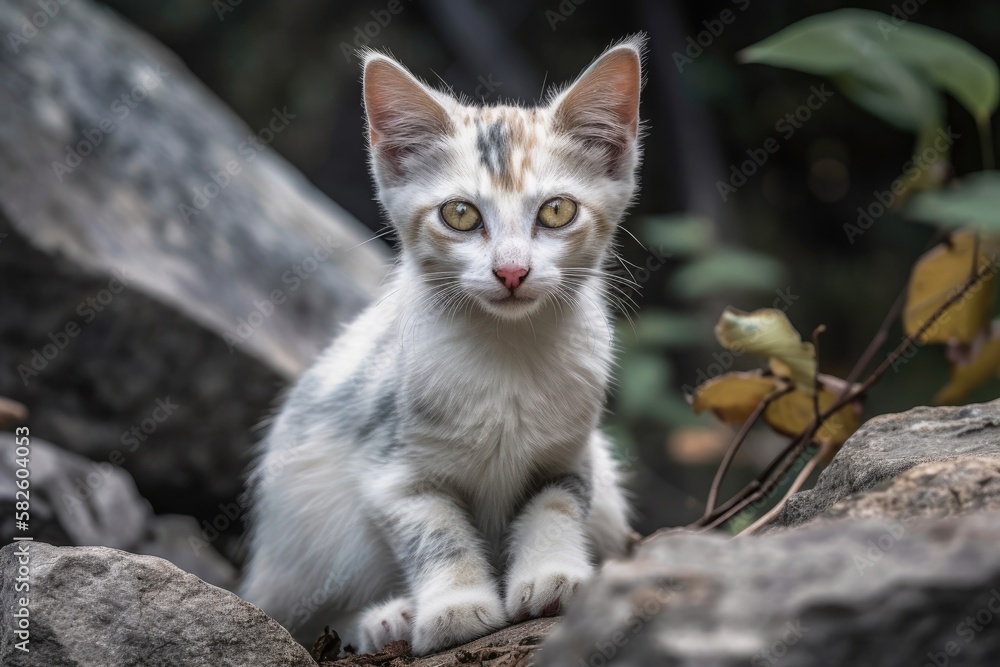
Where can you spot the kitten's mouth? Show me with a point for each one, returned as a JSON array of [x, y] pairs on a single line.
[[512, 306], [513, 299]]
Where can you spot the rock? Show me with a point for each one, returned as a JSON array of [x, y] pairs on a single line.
[[888, 445], [94, 607], [75, 501], [154, 250], [834, 593], [931, 490]]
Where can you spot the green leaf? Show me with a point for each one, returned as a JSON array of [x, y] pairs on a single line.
[[727, 270], [678, 234], [847, 46], [881, 65], [974, 201], [897, 96], [954, 65]]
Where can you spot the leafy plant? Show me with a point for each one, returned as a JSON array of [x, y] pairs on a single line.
[[897, 72]]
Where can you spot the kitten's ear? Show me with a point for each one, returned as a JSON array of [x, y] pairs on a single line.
[[402, 113], [602, 106]]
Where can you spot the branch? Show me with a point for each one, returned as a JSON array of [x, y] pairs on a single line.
[[776, 510], [713, 492], [765, 482]]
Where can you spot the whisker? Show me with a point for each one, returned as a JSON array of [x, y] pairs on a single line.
[[377, 236]]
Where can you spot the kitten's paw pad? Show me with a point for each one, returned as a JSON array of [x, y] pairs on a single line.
[[544, 593], [455, 617], [388, 622]]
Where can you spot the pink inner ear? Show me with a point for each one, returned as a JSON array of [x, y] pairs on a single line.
[[605, 98], [399, 109]]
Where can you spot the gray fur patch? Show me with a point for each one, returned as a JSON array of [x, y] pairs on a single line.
[[577, 486], [493, 144], [384, 412]]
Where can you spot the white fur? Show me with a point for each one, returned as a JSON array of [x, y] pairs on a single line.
[[439, 470]]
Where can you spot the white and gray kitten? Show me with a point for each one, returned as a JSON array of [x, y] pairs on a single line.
[[439, 471]]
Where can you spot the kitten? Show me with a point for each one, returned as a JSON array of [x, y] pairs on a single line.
[[439, 471]]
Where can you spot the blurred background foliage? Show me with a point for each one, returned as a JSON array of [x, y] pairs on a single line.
[[778, 241]]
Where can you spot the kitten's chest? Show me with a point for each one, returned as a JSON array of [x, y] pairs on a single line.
[[499, 400]]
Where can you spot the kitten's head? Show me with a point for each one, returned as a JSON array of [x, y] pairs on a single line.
[[508, 206]]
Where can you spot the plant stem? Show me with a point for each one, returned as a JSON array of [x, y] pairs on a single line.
[[727, 460], [771, 476]]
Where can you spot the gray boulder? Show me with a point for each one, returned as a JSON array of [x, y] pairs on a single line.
[[836, 593], [154, 248], [98, 607], [892, 559], [77, 502], [888, 445], [928, 490]]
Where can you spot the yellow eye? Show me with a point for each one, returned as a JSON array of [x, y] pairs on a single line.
[[557, 212], [461, 215]]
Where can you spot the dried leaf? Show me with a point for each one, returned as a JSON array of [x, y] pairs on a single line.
[[734, 396], [936, 277], [768, 332], [794, 412], [326, 646], [983, 366]]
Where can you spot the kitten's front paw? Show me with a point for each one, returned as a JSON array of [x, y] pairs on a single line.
[[544, 589], [388, 622], [456, 616]]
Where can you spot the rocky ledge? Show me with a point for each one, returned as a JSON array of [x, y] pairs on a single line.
[[892, 559]]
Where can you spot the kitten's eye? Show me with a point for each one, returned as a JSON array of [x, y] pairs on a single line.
[[461, 215], [557, 212]]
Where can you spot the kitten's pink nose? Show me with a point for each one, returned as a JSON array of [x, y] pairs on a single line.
[[511, 276]]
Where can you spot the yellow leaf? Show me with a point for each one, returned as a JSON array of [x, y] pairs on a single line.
[[768, 332], [734, 396], [967, 376], [793, 413], [937, 276]]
